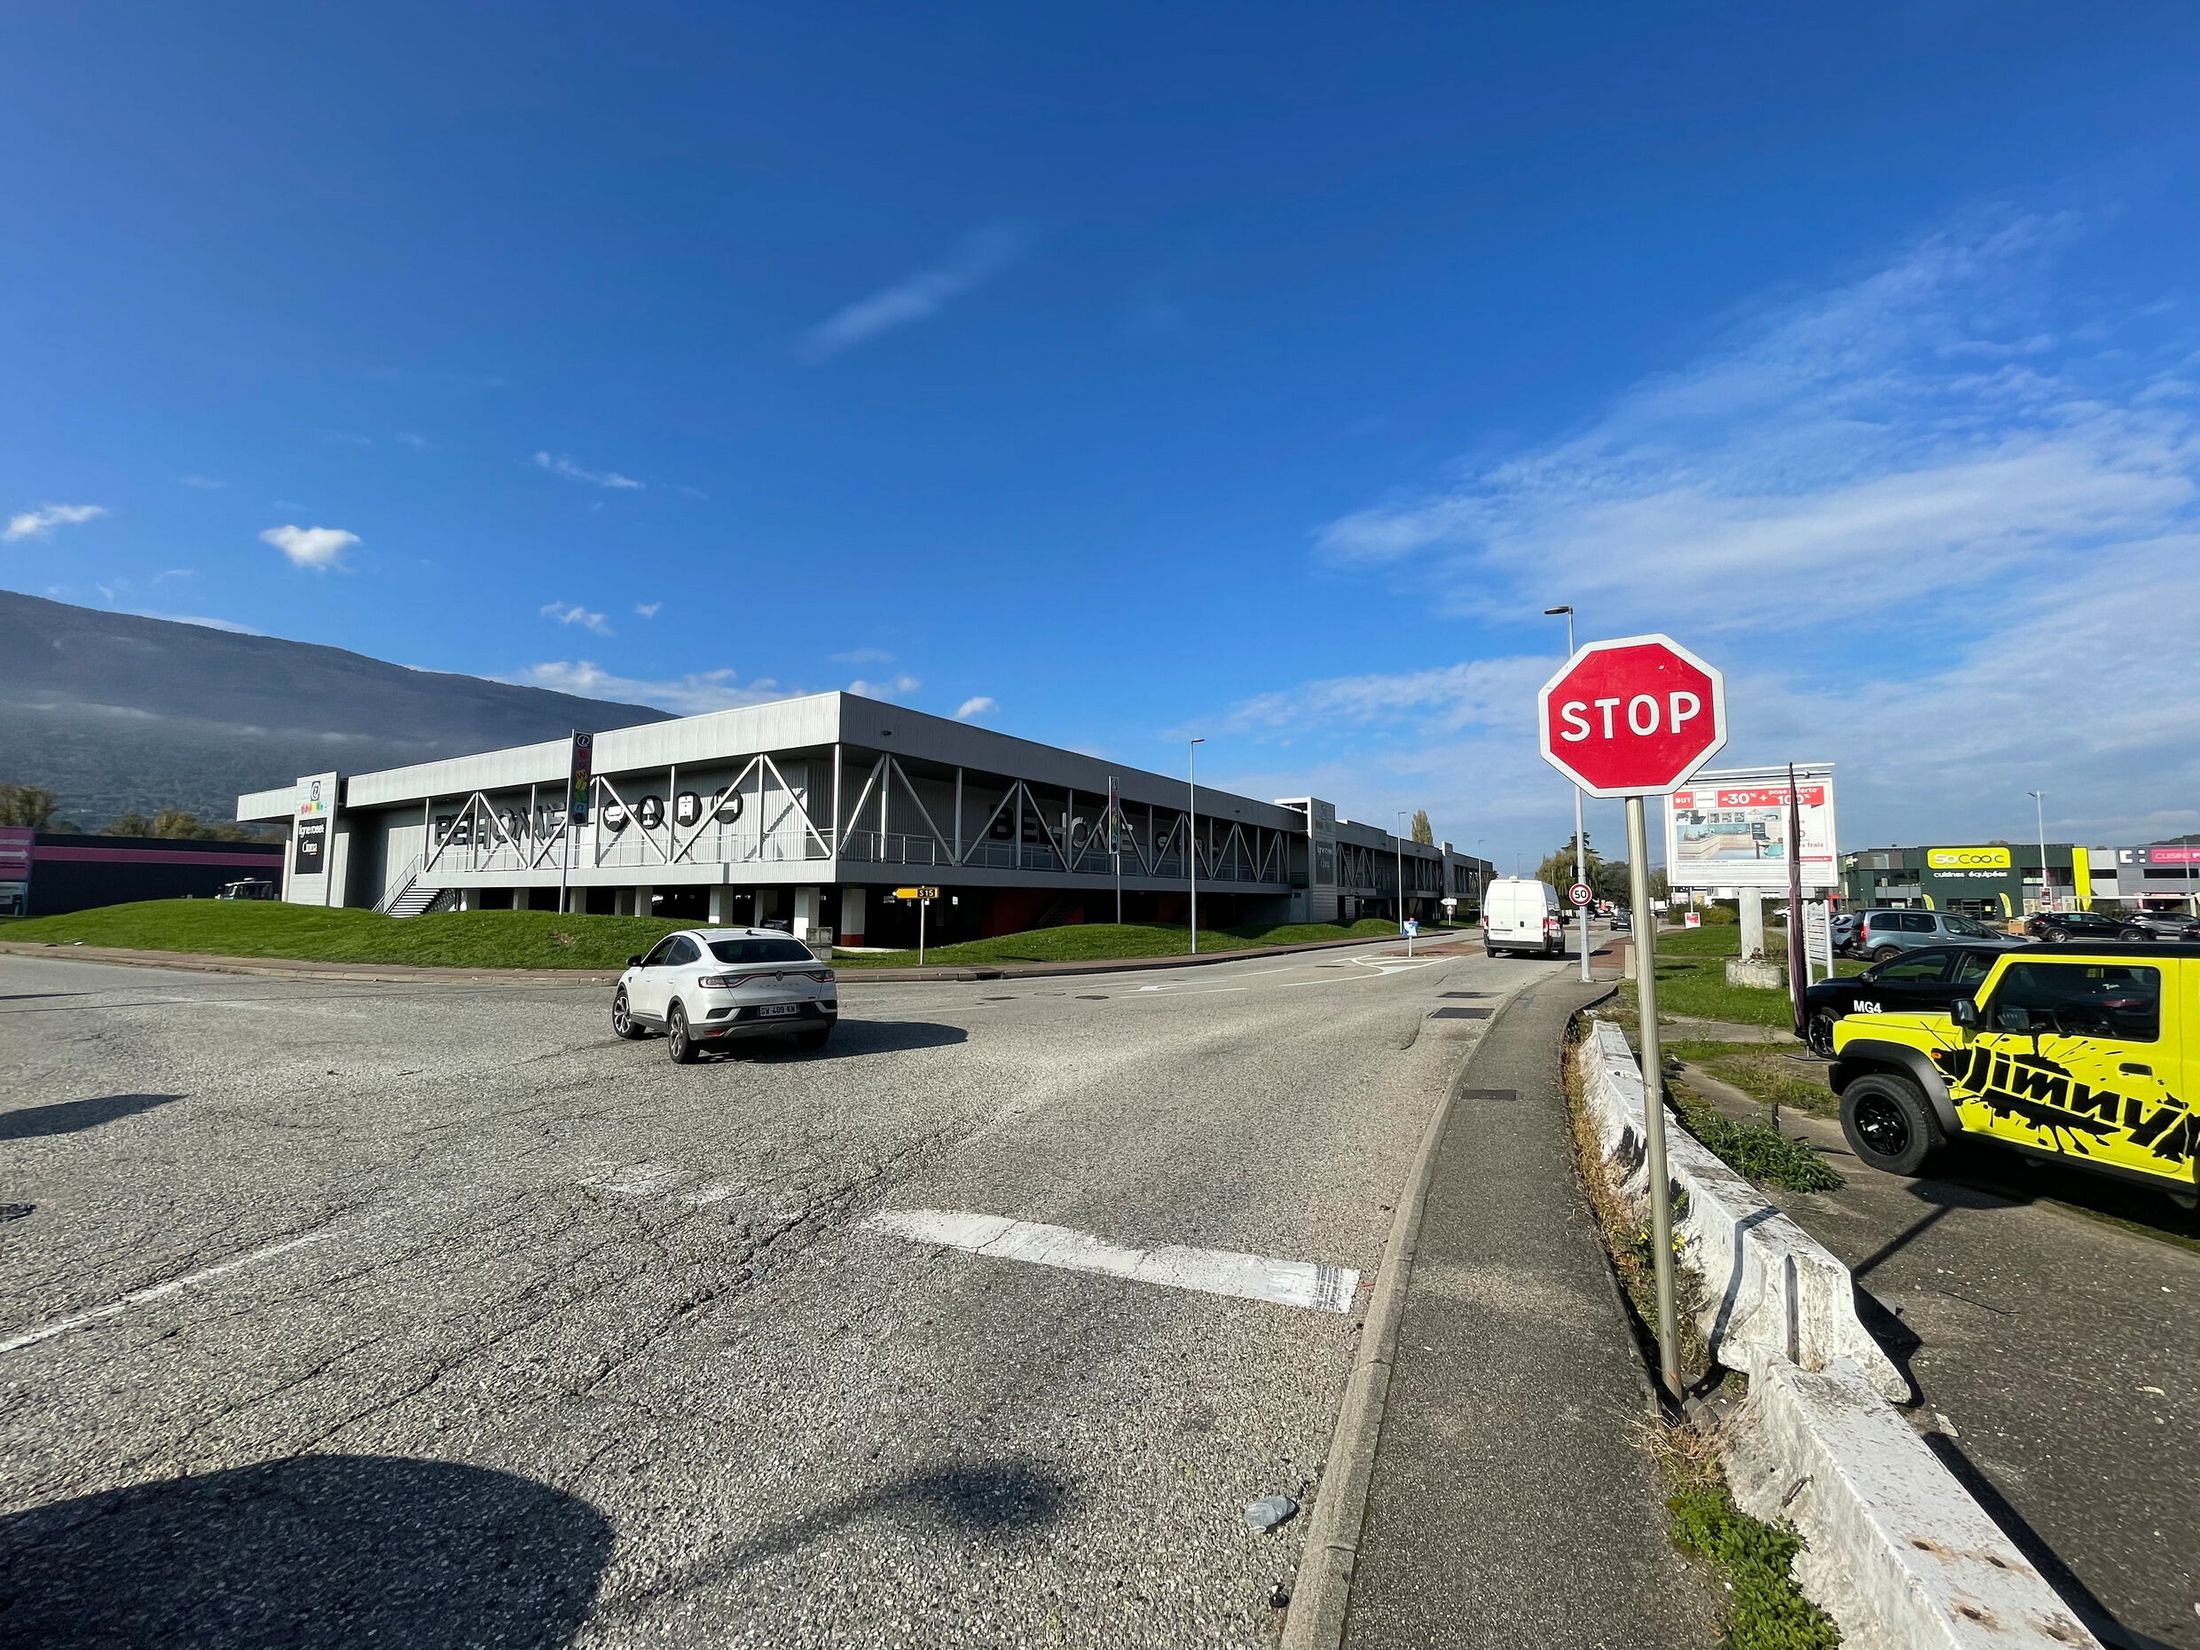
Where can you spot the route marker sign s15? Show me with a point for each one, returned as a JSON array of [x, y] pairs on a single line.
[[916, 893], [1579, 894], [1634, 718]]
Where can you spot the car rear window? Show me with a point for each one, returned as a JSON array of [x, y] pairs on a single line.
[[761, 951]]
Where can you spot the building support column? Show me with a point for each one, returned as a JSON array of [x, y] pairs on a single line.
[[809, 911], [721, 905], [852, 907]]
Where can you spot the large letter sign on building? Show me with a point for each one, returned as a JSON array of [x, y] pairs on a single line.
[[1633, 717]]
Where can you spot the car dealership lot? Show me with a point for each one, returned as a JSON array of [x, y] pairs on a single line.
[[387, 1257]]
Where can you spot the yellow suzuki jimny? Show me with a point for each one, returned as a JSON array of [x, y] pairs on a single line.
[[2087, 1053]]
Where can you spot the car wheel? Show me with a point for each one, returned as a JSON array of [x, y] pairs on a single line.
[[812, 1040], [1818, 1034], [1887, 953], [683, 1047], [1888, 1124], [622, 1022], [2055, 936], [2133, 934]]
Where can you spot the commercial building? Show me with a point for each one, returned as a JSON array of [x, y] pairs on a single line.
[[2002, 879], [812, 811], [50, 873]]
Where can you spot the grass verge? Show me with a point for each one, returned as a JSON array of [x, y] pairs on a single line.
[[1766, 1072], [1765, 1609], [1117, 942], [306, 933]]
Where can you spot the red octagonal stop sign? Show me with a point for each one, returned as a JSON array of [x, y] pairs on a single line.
[[1633, 717]]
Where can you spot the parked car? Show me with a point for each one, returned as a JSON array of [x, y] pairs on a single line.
[[2059, 926], [1623, 920], [1886, 933], [1842, 926], [2159, 925], [704, 987], [1929, 978], [1522, 916], [2085, 1052]]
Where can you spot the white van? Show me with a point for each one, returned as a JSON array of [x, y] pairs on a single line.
[[1523, 917]]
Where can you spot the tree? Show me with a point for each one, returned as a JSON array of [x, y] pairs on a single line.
[[1423, 832], [1558, 868], [177, 824], [128, 823], [31, 805]]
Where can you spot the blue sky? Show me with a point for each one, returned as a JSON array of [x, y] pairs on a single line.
[[1114, 374]]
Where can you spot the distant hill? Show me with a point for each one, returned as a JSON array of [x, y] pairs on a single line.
[[116, 712]]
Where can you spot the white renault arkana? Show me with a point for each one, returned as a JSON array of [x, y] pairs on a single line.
[[704, 987]]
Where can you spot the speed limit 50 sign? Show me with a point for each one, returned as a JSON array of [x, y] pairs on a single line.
[[1579, 894]]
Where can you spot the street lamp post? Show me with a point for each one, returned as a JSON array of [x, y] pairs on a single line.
[[1399, 843], [2039, 818], [1478, 878], [1191, 834], [1580, 862]]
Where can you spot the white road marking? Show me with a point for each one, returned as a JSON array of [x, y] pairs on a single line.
[[1318, 1287], [46, 1332], [704, 1196]]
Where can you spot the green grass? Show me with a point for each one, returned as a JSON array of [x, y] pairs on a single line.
[[1766, 1072], [1766, 1609], [1755, 1150], [1692, 981], [1117, 942], [266, 928]]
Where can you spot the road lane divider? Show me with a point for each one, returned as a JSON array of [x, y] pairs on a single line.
[[1313, 1285], [139, 1297]]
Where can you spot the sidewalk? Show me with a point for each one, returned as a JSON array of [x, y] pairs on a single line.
[[1511, 1501]]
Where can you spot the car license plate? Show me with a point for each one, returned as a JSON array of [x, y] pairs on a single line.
[[776, 1011]]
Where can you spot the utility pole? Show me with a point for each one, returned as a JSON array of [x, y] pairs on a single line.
[[2039, 819], [1191, 834], [1399, 842], [1581, 874]]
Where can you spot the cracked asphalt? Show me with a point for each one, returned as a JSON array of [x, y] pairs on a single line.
[[431, 1316]]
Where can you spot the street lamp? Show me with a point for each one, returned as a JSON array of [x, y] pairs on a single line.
[[1580, 865], [1478, 841], [2039, 818], [1191, 835], [1399, 842]]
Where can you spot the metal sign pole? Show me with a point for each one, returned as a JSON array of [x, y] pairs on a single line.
[[923, 905], [1653, 1093]]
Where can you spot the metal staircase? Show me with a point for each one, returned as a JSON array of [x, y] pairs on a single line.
[[409, 898]]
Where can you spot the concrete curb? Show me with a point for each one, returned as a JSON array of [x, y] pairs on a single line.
[[1772, 1293], [295, 968], [1322, 1589], [1894, 1549]]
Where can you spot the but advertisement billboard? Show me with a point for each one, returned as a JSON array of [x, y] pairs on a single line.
[[1729, 829]]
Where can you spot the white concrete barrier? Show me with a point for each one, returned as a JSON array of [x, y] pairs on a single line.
[[1770, 1289], [1894, 1549]]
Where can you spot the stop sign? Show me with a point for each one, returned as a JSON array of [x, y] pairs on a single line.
[[1632, 717]]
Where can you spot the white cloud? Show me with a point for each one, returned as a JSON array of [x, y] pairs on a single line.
[[405, 438], [319, 548], [40, 523], [691, 695], [979, 705], [574, 613], [203, 483], [559, 465], [229, 625], [916, 297], [864, 656], [176, 573], [898, 687], [647, 610], [1933, 520]]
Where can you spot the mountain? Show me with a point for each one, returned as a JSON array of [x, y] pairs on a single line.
[[113, 711]]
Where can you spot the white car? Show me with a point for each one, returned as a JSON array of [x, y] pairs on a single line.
[[705, 987]]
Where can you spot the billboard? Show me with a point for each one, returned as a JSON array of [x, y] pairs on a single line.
[[1729, 829]]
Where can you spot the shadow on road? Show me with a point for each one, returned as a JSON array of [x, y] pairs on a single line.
[[69, 1116], [853, 1038], [1981, 1177], [318, 1553]]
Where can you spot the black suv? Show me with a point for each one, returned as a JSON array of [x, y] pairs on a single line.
[[2058, 926], [2159, 925], [1924, 980]]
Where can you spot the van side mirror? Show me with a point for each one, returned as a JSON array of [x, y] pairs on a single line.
[[1966, 1013]]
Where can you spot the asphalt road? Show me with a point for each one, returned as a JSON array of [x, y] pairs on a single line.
[[424, 1316]]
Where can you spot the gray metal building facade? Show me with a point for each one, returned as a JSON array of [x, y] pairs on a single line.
[[812, 810]]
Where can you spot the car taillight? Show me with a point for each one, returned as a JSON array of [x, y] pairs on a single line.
[[823, 976], [719, 982], [1551, 924]]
